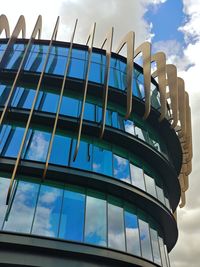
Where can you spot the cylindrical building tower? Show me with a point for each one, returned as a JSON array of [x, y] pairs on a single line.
[[95, 151]]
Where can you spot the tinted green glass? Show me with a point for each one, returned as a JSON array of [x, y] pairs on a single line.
[[95, 221]]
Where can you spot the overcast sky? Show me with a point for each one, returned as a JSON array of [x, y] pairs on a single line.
[[172, 26]]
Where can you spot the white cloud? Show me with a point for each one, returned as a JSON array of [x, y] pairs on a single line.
[[186, 252]]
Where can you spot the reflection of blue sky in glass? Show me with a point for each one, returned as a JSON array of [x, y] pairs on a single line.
[[121, 168], [22, 210], [15, 142], [102, 161], [48, 209], [145, 240], [95, 221], [37, 150], [72, 218], [60, 150], [132, 234]]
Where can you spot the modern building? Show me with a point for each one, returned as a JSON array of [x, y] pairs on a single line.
[[95, 151]]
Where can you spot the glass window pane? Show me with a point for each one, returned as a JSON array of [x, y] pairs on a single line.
[[4, 133], [155, 246], [14, 142], [4, 185], [150, 185], [89, 112], [72, 217], [145, 240], [162, 252], [102, 161], [48, 211], [137, 177], [84, 156], [95, 221], [132, 233], [116, 236], [49, 102], [160, 194], [60, 150], [23, 206], [38, 147], [69, 106], [129, 127], [121, 168]]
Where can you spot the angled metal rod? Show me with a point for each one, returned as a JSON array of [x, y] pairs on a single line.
[[145, 49], [181, 107], [4, 26], [31, 111], [129, 39], [172, 82], [90, 47], [60, 101], [19, 27], [160, 60], [109, 41]]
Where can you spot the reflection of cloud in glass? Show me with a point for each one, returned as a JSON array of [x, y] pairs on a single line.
[[95, 228], [116, 238], [48, 211], [39, 146], [96, 167], [129, 128], [4, 184], [132, 239], [121, 168], [21, 214], [145, 240]]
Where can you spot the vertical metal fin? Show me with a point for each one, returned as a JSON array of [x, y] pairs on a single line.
[[181, 107], [183, 200], [60, 101], [129, 40], [172, 82], [33, 104], [160, 60], [15, 33], [20, 27], [109, 41], [4, 26], [145, 49], [90, 47]]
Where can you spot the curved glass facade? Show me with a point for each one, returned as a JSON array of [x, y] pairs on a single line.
[[100, 219], [111, 211], [94, 155], [71, 106], [57, 61]]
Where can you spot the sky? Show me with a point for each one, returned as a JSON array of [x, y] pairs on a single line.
[[173, 27]]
